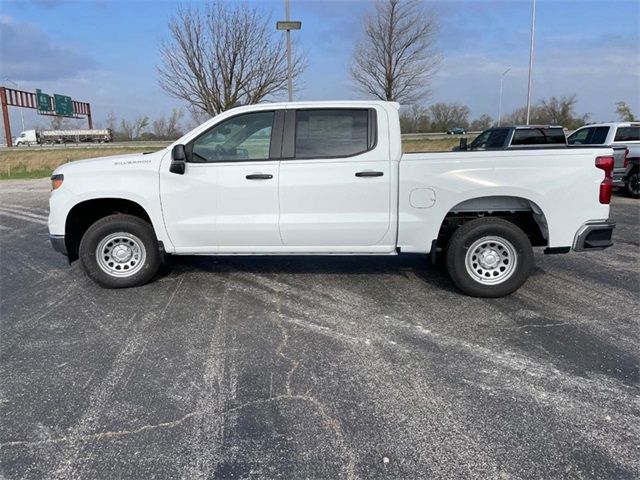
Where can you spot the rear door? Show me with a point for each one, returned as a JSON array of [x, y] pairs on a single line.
[[335, 180]]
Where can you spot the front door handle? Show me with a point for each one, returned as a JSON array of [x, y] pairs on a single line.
[[369, 173], [259, 176]]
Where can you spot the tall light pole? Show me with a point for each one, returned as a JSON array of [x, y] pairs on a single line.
[[288, 25], [21, 114], [533, 31], [500, 102]]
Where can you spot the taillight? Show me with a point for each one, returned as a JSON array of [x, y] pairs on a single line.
[[606, 186], [626, 157]]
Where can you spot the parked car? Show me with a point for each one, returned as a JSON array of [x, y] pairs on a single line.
[[329, 178], [517, 136], [456, 131], [626, 172]]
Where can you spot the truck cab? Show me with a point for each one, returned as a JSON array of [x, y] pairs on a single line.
[[28, 137], [626, 172]]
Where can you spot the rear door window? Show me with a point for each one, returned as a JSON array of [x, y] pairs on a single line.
[[628, 134], [599, 136], [332, 133]]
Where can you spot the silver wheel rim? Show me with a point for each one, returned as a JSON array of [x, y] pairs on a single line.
[[121, 254], [491, 260]]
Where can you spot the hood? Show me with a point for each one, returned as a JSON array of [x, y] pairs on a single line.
[[128, 161]]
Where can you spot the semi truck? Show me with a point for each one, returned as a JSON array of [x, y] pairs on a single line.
[[42, 137], [329, 178]]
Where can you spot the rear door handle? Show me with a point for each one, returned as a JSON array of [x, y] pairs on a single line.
[[259, 176], [369, 173]]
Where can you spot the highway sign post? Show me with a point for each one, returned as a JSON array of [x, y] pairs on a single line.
[[58, 105]]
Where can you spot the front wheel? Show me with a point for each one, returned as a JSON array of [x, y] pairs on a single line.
[[489, 257], [632, 184], [120, 251]]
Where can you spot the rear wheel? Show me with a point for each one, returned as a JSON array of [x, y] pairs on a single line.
[[632, 184], [489, 257], [120, 251]]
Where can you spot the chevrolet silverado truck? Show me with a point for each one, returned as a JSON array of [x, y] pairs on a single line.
[[626, 171], [329, 178]]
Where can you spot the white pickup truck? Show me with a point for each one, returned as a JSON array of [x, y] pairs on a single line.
[[329, 178]]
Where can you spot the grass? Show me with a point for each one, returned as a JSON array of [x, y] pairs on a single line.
[[15, 164], [33, 163]]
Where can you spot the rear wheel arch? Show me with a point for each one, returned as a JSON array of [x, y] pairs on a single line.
[[522, 212]]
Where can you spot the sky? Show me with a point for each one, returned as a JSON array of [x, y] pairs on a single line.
[[107, 52]]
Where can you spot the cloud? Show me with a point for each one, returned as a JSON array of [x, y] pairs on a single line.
[[28, 54]]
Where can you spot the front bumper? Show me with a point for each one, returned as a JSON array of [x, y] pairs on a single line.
[[58, 244], [594, 236]]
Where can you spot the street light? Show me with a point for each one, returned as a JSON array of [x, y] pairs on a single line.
[[288, 25], [500, 102], [17, 86], [533, 30]]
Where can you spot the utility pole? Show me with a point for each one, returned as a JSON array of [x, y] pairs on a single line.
[[288, 25], [533, 31], [500, 102]]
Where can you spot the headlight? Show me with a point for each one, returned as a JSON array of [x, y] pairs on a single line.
[[56, 181]]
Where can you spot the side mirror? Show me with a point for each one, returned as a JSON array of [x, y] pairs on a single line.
[[178, 160], [463, 144]]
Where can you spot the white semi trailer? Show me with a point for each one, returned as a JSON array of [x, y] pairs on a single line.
[[40, 137]]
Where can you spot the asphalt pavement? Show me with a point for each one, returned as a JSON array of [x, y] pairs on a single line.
[[315, 367]]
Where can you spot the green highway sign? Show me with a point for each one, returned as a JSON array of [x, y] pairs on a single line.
[[43, 101], [64, 105]]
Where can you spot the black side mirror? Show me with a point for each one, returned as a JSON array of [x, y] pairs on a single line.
[[178, 160], [463, 144]]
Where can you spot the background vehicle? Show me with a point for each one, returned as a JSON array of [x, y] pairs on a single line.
[[329, 178], [39, 137], [627, 170], [517, 136], [456, 131]]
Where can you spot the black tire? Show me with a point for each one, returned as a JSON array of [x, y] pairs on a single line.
[[509, 241], [140, 232], [632, 184]]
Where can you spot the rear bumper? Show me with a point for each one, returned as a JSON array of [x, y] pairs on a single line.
[[594, 236], [58, 244]]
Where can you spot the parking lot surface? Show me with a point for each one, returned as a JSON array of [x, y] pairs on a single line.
[[315, 367]]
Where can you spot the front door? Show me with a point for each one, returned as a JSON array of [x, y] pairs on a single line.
[[228, 196]]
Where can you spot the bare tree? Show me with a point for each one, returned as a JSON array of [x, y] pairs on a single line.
[[482, 123], [223, 56], [396, 59], [551, 111], [448, 115], [132, 129], [415, 120], [168, 128], [624, 112]]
